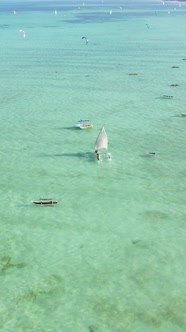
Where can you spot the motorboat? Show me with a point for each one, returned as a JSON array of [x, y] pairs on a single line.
[[151, 153], [84, 124], [45, 201]]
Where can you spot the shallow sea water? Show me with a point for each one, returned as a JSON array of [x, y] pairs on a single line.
[[110, 256]]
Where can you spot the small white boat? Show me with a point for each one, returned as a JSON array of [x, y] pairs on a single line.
[[84, 124]]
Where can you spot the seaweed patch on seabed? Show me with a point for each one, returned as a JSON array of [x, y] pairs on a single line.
[[48, 286], [5, 265], [4, 26], [103, 16], [92, 328], [156, 315], [154, 215]]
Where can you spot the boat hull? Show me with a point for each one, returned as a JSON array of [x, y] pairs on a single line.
[[167, 97], [45, 202], [84, 126]]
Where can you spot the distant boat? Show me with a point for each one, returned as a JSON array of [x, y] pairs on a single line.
[[183, 114], [102, 143], [45, 201], [167, 97], [84, 124], [151, 153]]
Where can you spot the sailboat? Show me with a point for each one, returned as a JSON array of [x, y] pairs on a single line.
[[101, 143]]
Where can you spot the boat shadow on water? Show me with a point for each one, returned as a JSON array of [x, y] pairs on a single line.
[[83, 155], [148, 154], [66, 128]]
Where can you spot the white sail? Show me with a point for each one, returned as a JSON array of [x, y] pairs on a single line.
[[102, 140]]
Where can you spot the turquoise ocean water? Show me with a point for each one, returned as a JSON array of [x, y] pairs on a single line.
[[110, 256]]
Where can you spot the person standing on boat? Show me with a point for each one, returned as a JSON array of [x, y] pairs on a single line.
[[97, 154]]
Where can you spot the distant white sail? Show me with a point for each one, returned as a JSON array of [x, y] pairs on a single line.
[[102, 140]]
